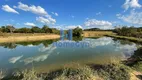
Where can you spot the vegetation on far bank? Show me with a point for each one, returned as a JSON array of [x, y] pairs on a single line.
[[133, 39], [96, 33], [34, 29], [129, 31]]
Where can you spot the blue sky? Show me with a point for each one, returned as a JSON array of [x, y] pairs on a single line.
[[102, 14]]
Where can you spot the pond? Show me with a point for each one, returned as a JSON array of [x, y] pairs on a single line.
[[45, 55]]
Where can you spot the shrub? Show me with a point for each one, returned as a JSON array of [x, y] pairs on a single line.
[[114, 72], [82, 73], [77, 32]]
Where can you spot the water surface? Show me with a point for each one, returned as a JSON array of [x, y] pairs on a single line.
[[44, 55]]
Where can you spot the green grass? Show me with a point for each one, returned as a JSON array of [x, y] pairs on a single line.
[[138, 66]]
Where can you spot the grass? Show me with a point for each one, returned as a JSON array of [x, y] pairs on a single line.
[[135, 61], [137, 66], [82, 73], [133, 39], [22, 34], [90, 72], [20, 37], [96, 33]]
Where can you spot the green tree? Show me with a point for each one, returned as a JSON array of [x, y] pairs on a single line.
[[10, 28], [46, 29], [4, 29], [36, 30], [77, 32], [23, 30]]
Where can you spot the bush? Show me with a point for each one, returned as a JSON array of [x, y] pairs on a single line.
[[82, 73], [113, 72], [138, 66], [77, 32], [129, 31]]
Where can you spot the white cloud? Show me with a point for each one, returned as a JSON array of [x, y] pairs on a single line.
[[99, 13], [29, 24], [73, 27], [131, 4], [66, 27], [34, 9], [133, 18], [56, 14], [39, 11], [93, 23], [9, 9], [48, 20]]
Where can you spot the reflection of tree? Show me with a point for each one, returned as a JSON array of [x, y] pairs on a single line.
[[9, 45], [46, 43], [123, 42], [34, 43], [77, 38]]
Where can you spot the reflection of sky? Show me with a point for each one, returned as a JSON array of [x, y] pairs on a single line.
[[100, 41], [127, 49], [41, 57], [29, 54]]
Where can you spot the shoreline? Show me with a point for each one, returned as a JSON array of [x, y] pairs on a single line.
[[133, 39], [28, 37]]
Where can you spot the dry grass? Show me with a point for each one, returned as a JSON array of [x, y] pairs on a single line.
[[30, 75], [96, 33], [7, 37], [81, 73]]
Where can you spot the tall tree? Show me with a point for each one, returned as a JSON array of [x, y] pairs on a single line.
[[10, 28]]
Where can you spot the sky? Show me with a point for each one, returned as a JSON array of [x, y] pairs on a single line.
[[66, 14]]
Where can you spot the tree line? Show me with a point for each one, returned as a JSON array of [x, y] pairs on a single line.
[[35, 29], [129, 31]]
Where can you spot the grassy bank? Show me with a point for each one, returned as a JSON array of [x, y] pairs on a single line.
[[133, 39], [20, 37], [96, 33], [91, 72]]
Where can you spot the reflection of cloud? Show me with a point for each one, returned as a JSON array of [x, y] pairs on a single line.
[[128, 50], [100, 41], [15, 59], [49, 48], [35, 59], [42, 57], [30, 45]]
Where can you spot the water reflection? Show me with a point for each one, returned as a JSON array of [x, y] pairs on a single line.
[[15, 59], [44, 53], [127, 48], [29, 44]]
